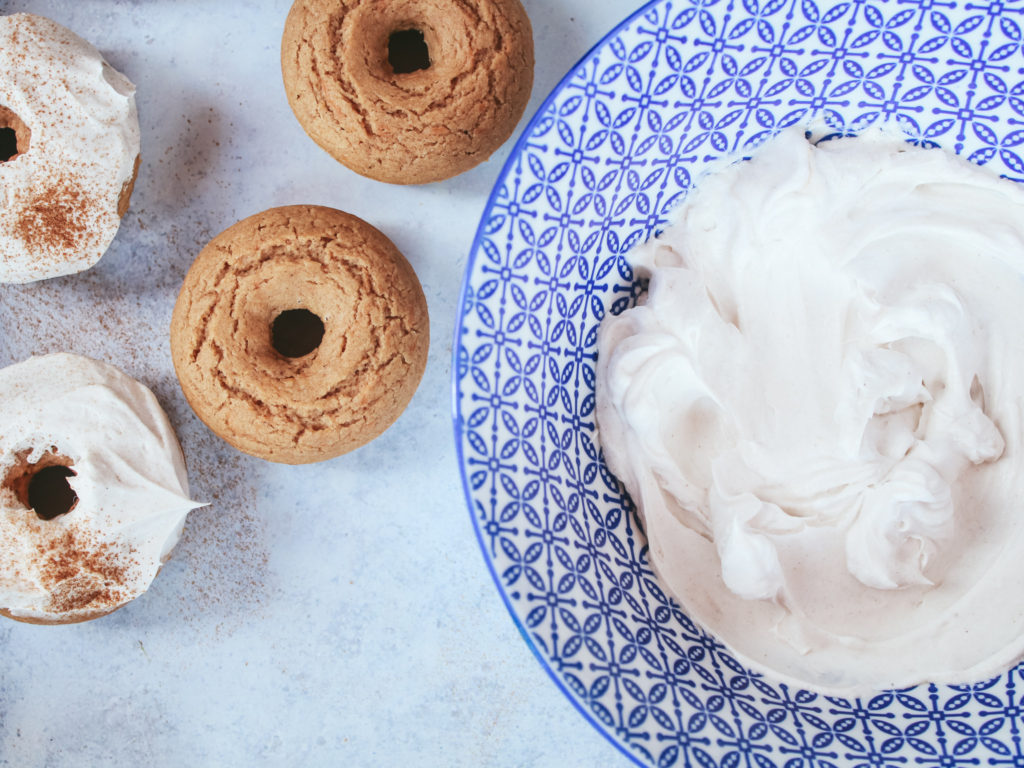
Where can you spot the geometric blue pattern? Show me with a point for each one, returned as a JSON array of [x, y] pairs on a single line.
[[611, 152]]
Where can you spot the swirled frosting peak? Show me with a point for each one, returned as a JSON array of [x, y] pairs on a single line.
[[87, 542]]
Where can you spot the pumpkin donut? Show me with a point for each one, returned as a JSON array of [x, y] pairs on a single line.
[[69, 150], [408, 91], [93, 489], [299, 334]]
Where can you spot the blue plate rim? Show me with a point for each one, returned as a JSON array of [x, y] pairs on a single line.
[[503, 174]]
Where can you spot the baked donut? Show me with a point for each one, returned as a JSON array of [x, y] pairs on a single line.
[[93, 494], [69, 150], [299, 334], [408, 91]]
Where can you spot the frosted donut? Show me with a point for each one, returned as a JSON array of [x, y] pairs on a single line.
[[94, 492], [69, 150]]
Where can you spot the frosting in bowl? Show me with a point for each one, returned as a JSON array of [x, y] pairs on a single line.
[[62, 194], [128, 475], [816, 406]]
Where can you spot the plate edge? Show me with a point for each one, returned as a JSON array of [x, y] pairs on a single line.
[[474, 249]]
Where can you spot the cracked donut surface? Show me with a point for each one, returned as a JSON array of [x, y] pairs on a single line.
[[412, 127], [354, 383]]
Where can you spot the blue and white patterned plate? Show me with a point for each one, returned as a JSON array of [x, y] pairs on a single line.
[[612, 150]]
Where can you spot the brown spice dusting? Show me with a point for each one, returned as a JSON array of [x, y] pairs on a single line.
[[225, 547], [78, 569], [81, 571], [57, 219]]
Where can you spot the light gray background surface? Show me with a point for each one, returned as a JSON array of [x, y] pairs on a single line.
[[334, 614]]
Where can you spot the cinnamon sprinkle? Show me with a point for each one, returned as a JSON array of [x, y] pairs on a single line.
[[81, 571], [57, 218]]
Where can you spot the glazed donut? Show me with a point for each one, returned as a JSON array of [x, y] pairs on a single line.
[[69, 150], [94, 492], [408, 91], [299, 334]]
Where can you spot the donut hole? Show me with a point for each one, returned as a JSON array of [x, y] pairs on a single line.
[[296, 332], [42, 485], [50, 494], [8, 144], [14, 135], [407, 51]]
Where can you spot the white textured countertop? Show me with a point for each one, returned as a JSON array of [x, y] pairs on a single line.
[[333, 614]]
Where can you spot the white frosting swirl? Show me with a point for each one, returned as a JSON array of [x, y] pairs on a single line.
[[817, 408], [59, 200], [130, 480]]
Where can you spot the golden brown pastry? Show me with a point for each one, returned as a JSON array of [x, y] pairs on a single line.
[[408, 91], [299, 334]]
